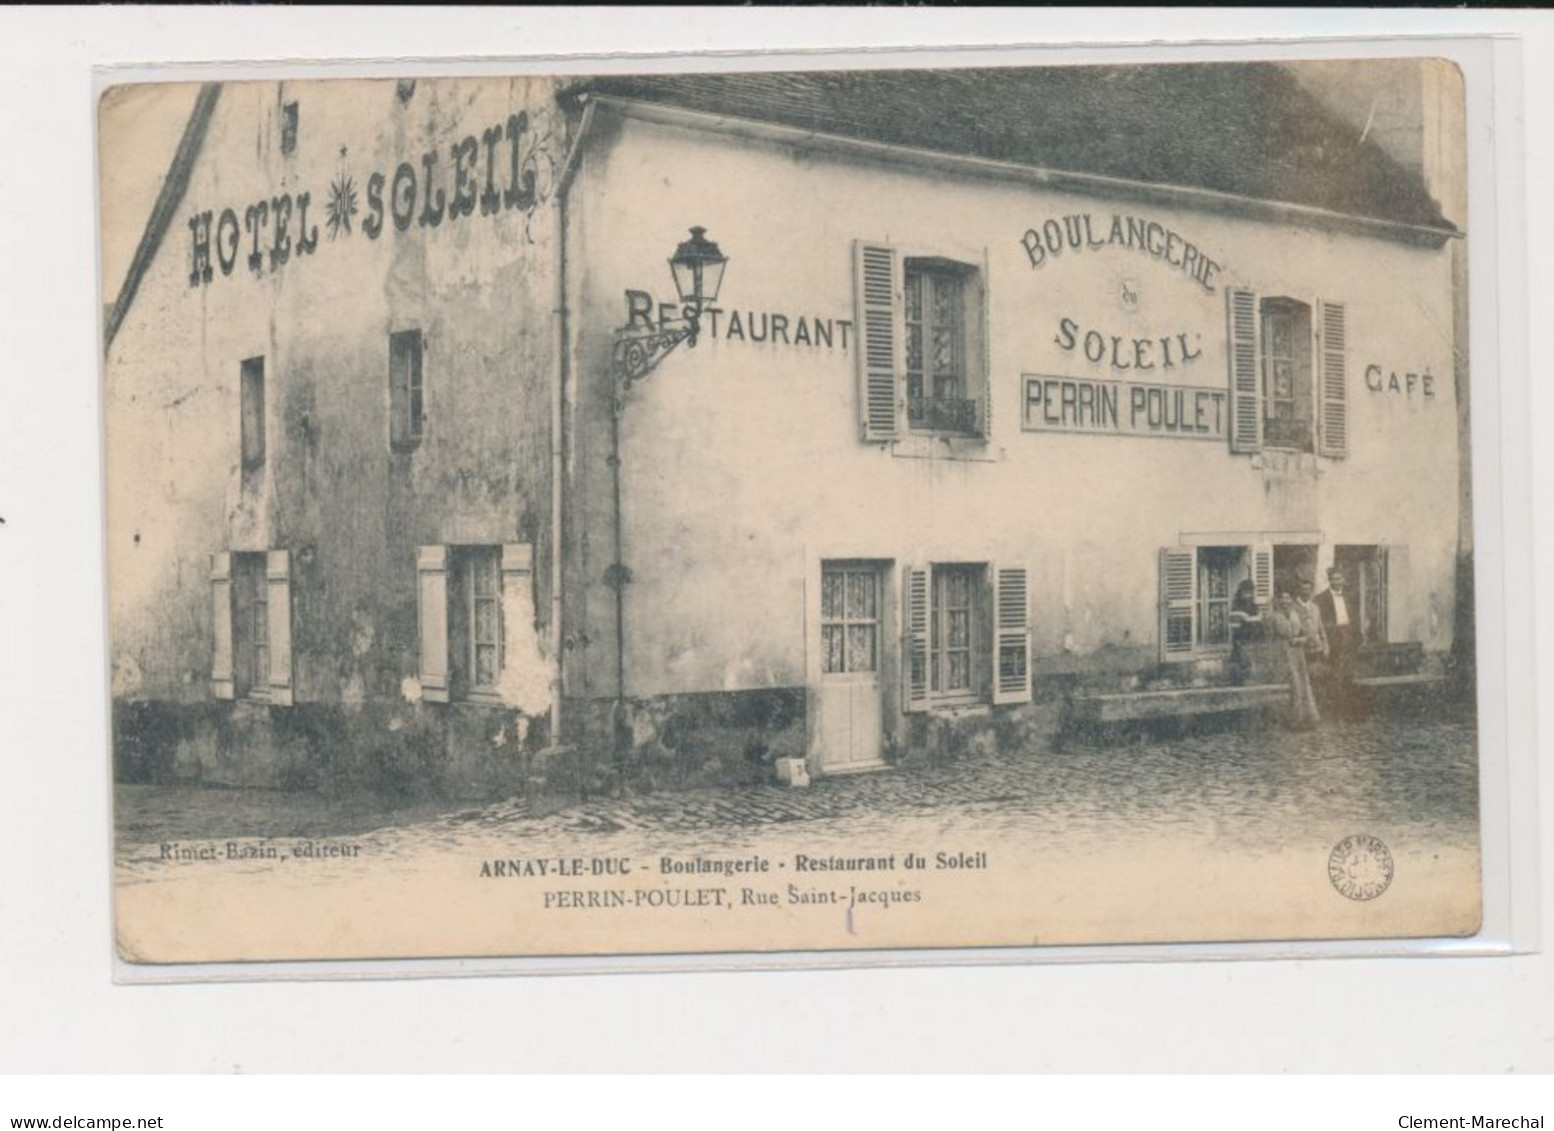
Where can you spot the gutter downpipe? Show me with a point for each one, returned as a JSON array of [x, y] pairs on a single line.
[[560, 382]]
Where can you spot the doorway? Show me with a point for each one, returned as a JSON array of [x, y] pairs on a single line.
[[849, 734]]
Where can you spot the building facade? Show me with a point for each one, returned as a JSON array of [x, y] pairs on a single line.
[[997, 409]]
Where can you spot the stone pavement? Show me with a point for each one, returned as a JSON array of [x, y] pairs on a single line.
[[1251, 783]]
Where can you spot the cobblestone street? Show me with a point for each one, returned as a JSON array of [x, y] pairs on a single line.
[[1248, 786]]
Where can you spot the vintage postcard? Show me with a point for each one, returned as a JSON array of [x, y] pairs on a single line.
[[789, 511]]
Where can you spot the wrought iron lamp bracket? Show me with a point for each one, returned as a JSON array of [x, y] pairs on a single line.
[[637, 353]]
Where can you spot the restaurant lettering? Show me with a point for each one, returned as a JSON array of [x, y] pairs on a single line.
[[719, 324], [1123, 408], [1079, 232], [502, 170]]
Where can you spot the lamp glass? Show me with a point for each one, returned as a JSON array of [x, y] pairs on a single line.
[[697, 267]]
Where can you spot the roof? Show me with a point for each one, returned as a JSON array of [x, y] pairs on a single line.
[[1246, 129]]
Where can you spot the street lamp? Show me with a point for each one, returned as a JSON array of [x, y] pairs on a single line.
[[697, 266]]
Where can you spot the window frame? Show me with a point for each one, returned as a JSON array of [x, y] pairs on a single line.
[[407, 389], [252, 414], [1303, 376], [250, 626], [466, 564], [942, 576], [845, 620], [934, 272]]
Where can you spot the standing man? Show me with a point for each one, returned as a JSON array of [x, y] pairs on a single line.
[[1311, 627], [1341, 629]]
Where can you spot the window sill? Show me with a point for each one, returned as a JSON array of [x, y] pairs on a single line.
[[481, 699], [943, 445], [957, 708]]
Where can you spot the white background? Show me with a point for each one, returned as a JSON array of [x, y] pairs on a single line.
[[61, 1012]]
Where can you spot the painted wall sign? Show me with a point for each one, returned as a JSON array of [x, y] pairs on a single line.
[[1123, 408], [718, 323], [505, 169], [1164, 352], [1378, 380], [1048, 240]]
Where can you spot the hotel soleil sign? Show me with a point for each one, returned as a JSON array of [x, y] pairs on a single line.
[[503, 169]]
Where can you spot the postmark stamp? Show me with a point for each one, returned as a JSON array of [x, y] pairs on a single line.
[[1360, 867]]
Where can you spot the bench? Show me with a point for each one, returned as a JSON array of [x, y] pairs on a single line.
[[1416, 679], [1176, 702]]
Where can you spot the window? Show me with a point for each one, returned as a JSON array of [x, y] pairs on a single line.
[[968, 635], [1288, 378], [1377, 581], [289, 128], [475, 620], [460, 597], [921, 361], [849, 619], [251, 625], [251, 425], [252, 611], [1220, 570], [1287, 411], [405, 393], [953, 630], [935, 321], [1198, 592]]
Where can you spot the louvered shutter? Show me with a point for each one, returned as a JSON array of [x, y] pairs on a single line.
[[978, 287], [1178, 604], [1262, 574], [432, 618], [1400, 625], [223, 684], [914, 644], [277, 579], [877, 288], [1333, 394], [1011, 635], [517, 566], [1246, 401]]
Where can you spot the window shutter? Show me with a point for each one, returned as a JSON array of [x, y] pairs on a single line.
[[517, 566], [1262, 574], [277, 577], [977, 321], [432, 616], [222, 683], [914, 648], [1333, 393], [877, 288], [1246, 400], [1399, 622], [1011, 635], [1178, 604]]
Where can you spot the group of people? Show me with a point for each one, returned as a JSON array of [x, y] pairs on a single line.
[[1316, 639]]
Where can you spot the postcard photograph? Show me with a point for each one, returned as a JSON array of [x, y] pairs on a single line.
[[789, 511]]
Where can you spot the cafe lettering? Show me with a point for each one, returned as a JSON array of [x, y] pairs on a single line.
[[1123, 408], [497, 172]]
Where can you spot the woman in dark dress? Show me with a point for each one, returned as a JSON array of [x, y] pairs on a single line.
[[1246, 630]]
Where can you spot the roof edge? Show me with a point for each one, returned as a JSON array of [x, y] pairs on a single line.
[[168, 199], [1205, 199]]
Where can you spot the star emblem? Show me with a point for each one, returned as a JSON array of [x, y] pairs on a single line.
[[341, 206]]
